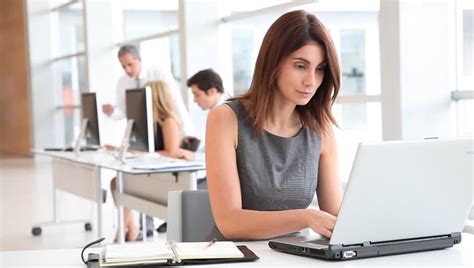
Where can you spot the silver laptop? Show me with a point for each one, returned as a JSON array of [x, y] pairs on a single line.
[[402, 196]]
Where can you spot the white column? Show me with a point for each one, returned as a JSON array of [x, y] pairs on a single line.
[[389, 23], [417, 68], [45, 92], [199, 46]]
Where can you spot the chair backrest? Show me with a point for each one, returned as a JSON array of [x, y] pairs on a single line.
[[189, 216]]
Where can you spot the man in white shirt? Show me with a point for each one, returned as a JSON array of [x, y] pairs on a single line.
[[135, 77]]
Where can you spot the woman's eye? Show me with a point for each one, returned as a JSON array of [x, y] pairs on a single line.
[[320, 68], [300, 66]]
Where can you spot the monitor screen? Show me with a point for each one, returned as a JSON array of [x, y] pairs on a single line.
[[89, 112], [139, 109]]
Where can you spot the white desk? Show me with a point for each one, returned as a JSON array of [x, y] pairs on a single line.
[[459, 255], [139, 189]]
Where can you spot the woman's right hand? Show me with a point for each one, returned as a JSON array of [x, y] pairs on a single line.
[[109, 147], [321, 222]]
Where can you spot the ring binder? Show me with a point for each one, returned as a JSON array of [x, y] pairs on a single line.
[[187, 253], [173, 248]]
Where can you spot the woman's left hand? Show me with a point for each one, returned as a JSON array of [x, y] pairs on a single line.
[[186, 154]]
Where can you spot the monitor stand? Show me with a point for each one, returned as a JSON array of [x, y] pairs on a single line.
[[82, 132], [125, 141]]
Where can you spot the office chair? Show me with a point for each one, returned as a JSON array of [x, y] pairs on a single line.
[[189, 216]]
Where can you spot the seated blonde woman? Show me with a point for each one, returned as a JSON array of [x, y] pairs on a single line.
[[168, 137], [168, 131]]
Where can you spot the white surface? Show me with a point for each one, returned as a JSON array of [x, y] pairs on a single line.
[[406, 189], [459, 255], [145, 161]]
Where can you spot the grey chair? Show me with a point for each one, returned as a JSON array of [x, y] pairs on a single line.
[[189, 216]]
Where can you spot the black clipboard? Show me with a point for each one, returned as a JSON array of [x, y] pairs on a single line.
[[94, 262]]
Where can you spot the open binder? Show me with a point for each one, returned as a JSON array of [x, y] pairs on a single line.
[[170, 253]]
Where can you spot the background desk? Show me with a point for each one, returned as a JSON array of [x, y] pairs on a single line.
[[459, 255], [139, 189]]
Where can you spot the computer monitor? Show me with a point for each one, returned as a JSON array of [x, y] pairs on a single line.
[[89, 113], [139, 108]]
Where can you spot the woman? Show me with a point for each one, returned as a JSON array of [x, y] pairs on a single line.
[[168, 132], [168, 137], [269, 150]]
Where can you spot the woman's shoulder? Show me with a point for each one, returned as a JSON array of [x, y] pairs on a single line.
[[170, 122], [328, 140], [222, 113]]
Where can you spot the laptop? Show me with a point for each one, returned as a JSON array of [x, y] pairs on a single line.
[[402, 196]]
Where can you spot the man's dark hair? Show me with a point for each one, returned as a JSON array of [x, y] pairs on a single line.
[[205, 80], [133, 50]]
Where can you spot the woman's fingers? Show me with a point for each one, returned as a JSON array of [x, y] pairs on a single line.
[[323, 223]]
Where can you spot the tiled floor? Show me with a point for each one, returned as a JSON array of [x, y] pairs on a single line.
[[26, 198]]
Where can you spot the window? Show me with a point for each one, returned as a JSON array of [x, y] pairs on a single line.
[[153, 27], [243, 61], [73, 83], [468, 48], [358, 109], [70, 66], [465, 65], [71, 29], [353, 62], [148, 21]]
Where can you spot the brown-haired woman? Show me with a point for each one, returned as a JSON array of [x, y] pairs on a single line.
[[168, 137], [270, 150]]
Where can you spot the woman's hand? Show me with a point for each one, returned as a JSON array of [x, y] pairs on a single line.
[[109, 147], [321, 222], [186, 154]]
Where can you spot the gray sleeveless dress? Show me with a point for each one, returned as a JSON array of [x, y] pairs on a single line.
[[275, 173]]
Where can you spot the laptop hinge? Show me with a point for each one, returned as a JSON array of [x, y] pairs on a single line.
[[455, 236]]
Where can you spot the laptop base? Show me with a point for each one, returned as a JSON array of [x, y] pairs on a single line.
[[297, 245]]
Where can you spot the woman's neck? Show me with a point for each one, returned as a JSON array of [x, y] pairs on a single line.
[[283, 119]]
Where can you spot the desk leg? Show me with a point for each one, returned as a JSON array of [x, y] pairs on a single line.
[[121, 227], [67, 180], [55, 205], [99, 197], [144, 227]]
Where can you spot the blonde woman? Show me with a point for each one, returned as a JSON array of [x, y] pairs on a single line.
[[168, 132], [168, 137]]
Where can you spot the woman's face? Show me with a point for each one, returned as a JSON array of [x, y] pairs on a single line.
[[301, 73]]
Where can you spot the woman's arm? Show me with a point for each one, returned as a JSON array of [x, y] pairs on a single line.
[[329, 189], [172, 140], [171, 137], [225, 194]]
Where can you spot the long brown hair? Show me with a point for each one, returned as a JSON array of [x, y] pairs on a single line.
[[287, 34]]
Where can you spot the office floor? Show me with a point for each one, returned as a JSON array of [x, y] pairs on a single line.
[[26, 198]]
